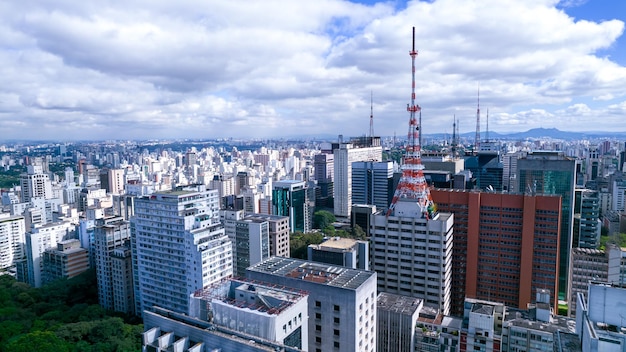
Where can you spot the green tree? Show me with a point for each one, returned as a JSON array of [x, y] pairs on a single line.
[[40, 341], [322, 219]]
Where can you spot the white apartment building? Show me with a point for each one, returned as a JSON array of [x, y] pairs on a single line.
[[35, 184], [413, 255], [12, 240], [38, 240], [179, 246]]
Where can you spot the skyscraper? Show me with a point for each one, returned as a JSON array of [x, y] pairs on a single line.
[[548, 172], [344, 156], [252, 243], [35, 184], [289, 198], [12, 239], [372, 183], [179, 246]]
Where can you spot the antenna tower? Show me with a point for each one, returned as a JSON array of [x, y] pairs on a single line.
[[371, 114], [412, 183], [477, 138], [454, 140]]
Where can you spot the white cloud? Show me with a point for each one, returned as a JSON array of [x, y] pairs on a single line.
[[154, 69]]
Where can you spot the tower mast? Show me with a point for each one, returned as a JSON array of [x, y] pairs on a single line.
[[371, 114], [477, 138], [412, 184]]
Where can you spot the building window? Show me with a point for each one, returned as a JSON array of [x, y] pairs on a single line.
[[318, 315], [336, 308], [318, 304], [336, 344], [336, 320], [318, 328], [336, 332]]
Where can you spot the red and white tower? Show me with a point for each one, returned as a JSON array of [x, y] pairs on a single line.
[[412, 186]]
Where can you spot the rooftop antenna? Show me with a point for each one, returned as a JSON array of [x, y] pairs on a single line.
[[477, 137], [412, 184], [371, 114], [454, 141]]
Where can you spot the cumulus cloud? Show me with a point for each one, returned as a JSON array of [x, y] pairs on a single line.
[[162, 69]]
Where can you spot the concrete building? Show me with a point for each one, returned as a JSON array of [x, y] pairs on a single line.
[[109, 234], [38, 240], [505, 245], [361, 216], [278, 231], [323, 165], [342, 301], [12, 241], [600, 318], [67, 260], [540, 330], [412, 255], [289, 198], [587, 225], [590, 264], [165, 330], [122, 280], [372, 183], [482, 325], [35, 184], [179, 246], [547, 172], [397, 318], [344, 155], [346, 252], [267, 311], [252, 243]]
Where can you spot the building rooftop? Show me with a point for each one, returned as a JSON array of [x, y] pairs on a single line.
[[320, 273], [398, 304], [336, 243], [480, 308]]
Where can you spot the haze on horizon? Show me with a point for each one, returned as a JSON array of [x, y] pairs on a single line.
[[219, 69]]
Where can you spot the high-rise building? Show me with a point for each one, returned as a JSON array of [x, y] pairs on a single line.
[[66, 260], [289, 198], [109, 234], [12, 240], [278, 232], [179, 246], [397, 320], [35, 183], [412, 254], [344, 156], [342, 301], [505, 245], [547, 172], [600, 318], [252, 243], [590, 264], [323, 165], [587, 225], [122, 280], [372, 183], [38, 240], [482, 325]]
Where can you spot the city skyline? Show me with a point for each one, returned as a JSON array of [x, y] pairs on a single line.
[[162, 70]]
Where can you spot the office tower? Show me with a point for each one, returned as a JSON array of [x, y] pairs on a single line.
[[323, 164], [600, 318], [587, 226], [509, 172], [109, 234], [482, 325], [278, 232], [268, 311], [341, 251], [252, 243], [487, 170], [590, 264], [619, 194], [122, 280], [505, 245], [289, 198], [397, 320], [413, 254], [40, 238], [344, 156], [412, 242], [546, 172], [372, 183], [66, 260], [342, 301], [114, 181], [12, 240], [592, 163], [225, 186], [179, 246], [35, 184]]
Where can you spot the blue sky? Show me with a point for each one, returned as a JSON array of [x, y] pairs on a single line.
[[144, 69]]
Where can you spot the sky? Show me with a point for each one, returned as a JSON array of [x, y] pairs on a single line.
[[162, 69]]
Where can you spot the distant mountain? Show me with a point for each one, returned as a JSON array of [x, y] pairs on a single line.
[[538, 133]]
